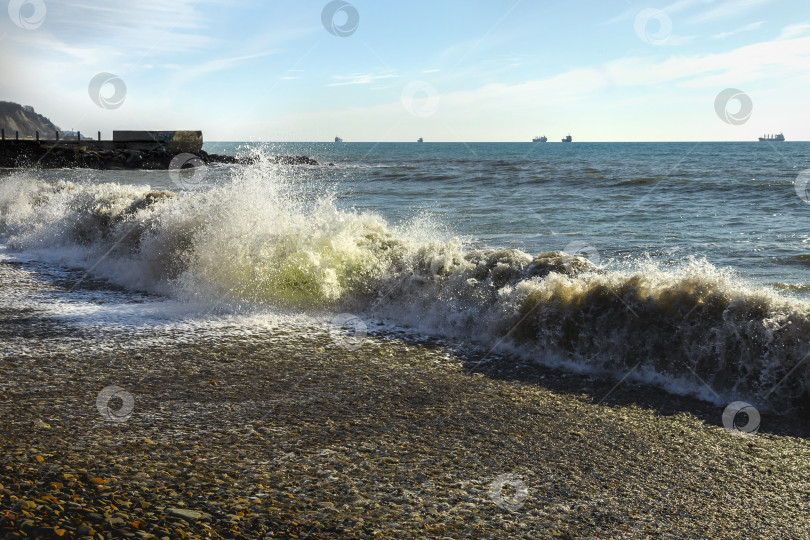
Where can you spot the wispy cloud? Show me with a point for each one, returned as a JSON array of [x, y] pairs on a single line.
[[343, 80], [728, 9], [755, 62], [144, 27], [747, 28], [793, 31], [76, 54], [292, 75], [674, 7], [702, 11], [104, 34], [220, 64]]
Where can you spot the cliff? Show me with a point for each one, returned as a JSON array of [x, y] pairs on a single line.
[[16, 117]]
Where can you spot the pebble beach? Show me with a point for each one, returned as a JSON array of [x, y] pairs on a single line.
[[268, 436]]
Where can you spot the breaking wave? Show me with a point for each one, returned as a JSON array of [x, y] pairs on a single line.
[[260, 240]]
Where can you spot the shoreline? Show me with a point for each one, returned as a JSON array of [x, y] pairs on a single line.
[[290, 434]]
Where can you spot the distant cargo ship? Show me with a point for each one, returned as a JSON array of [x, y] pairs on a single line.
[[568, 139], [540, 139], [338, 139], [420, 139], [774, 138]]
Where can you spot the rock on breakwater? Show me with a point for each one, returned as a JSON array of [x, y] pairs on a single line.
[[109, 156]]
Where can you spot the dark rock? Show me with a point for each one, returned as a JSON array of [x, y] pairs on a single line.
[[23, 154], [218, 158], [295, 160]]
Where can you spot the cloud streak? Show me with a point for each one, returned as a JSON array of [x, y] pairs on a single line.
[[345, 80], [747, 28], [220, 64]]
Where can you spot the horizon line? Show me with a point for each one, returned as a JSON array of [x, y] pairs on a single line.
[[496, 142]]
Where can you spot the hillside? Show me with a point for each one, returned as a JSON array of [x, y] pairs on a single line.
[[16, 117]]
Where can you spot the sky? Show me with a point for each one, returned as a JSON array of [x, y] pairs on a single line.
[[373, 70]]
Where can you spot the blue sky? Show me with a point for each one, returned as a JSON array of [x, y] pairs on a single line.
[[444, 70]]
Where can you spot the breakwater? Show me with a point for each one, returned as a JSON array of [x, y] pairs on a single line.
[[127, 150]]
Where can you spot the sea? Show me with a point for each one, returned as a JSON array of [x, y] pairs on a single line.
[[678, 265]]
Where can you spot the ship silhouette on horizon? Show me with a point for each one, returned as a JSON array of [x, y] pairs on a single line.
[[772, 138]]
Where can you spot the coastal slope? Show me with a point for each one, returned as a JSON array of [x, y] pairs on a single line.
[[23, 118]]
